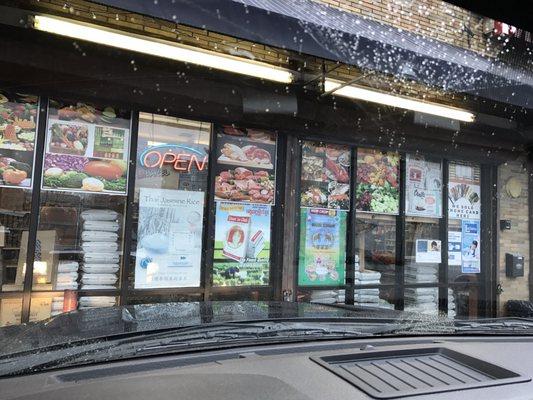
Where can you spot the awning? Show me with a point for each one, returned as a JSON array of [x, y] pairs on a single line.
[[312, 28]]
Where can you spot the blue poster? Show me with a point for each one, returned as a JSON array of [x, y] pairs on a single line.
[[470, 247]]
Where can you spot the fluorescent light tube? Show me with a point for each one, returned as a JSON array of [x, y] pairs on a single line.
[[159, 48], [356, 92]]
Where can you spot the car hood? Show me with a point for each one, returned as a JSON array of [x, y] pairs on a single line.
[[115, 321]]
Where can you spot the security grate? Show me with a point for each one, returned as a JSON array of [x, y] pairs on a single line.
[[395, 374]]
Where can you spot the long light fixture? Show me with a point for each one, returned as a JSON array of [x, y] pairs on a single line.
[[160, 48], [356, 92]]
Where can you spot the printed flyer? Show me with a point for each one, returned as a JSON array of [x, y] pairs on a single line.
[[169, 238], [242, 244], [245, 170], [423, 195], [18, 125], [325, 176], [464, 199], [378, 189], [428, 251], [454, 248], [471, 263], [322, 259], [87, 149]]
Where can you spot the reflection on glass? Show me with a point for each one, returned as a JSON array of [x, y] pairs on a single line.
[[15, 205], [170, 193], [10, 311]]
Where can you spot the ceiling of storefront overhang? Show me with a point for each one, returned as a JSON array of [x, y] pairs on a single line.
[[315, 29]]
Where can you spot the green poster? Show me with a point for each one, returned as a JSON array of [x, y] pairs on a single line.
[[322, 259]]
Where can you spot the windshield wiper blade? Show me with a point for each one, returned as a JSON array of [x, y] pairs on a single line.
[[514, 325]]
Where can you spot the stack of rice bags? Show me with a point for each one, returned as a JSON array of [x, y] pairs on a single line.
[[451, 304], [100, 244], [86, 302], [424, 300], [324, 296], [426, 273], [368, 296], [67, 275], [57, 306]]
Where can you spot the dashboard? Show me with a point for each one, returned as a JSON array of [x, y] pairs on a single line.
[[489, 367]]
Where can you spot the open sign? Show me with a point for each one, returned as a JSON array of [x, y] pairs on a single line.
[[179, 158]]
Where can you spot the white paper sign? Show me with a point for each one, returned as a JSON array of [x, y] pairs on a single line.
[[423, 188], [169, 244], [428, 251], [454, 248]]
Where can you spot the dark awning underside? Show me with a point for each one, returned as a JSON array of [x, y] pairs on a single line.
[[318, 30]]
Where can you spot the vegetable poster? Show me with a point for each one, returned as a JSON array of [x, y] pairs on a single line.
[[245, 168], [471, 263], [325, 176], [242, 244], [18, 124], [86, 149], [378, 189], [464, 199], [322, 255], [423, 194], [169, 244]]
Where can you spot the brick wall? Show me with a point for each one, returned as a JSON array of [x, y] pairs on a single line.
[[515, 240], [431, 18]]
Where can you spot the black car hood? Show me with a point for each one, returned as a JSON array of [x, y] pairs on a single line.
[[114, 321]]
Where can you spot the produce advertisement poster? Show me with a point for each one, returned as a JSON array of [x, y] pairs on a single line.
[[423, 194], [18, 124], [169, 238], [242, 244], [322, 259], [245, 169], [428, 251], [325, 176], [378, 189], [86, 149], [454, 248], [464, 200], [470, 263]]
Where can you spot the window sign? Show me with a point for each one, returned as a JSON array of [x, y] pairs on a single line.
[[464, 199], [423, 186], [242, 244], [245, 170], [86, 149], [378, 190], [169, 237], [322, 259], [18, 125], [454, 248], [428, 251], [471, 248]]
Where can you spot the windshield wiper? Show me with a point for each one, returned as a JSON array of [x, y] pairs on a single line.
[[504, 325], [215, 336]]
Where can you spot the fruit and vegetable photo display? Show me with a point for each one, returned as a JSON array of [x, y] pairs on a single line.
[[18, 125], [245, 170], [86, 149], [325, 176], [378, 189]]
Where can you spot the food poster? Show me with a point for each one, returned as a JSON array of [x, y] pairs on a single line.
[[242, 244], [245, 168], [322, 258], [423, 194], [86, 149], [464, 199], [378, 189], [18, 126], [471, 247], [454, 248], [169, 237], [325, 176], [428, 251]]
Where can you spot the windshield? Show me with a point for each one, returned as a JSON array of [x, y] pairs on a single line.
[[165, 165]]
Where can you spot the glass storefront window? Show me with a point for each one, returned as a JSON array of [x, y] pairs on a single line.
[[80, 231], [245, 182], [170, 195]]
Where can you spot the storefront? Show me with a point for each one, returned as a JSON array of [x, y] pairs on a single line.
[[150, 183]]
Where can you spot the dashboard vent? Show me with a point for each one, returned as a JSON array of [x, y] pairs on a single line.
[[396, 374]]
